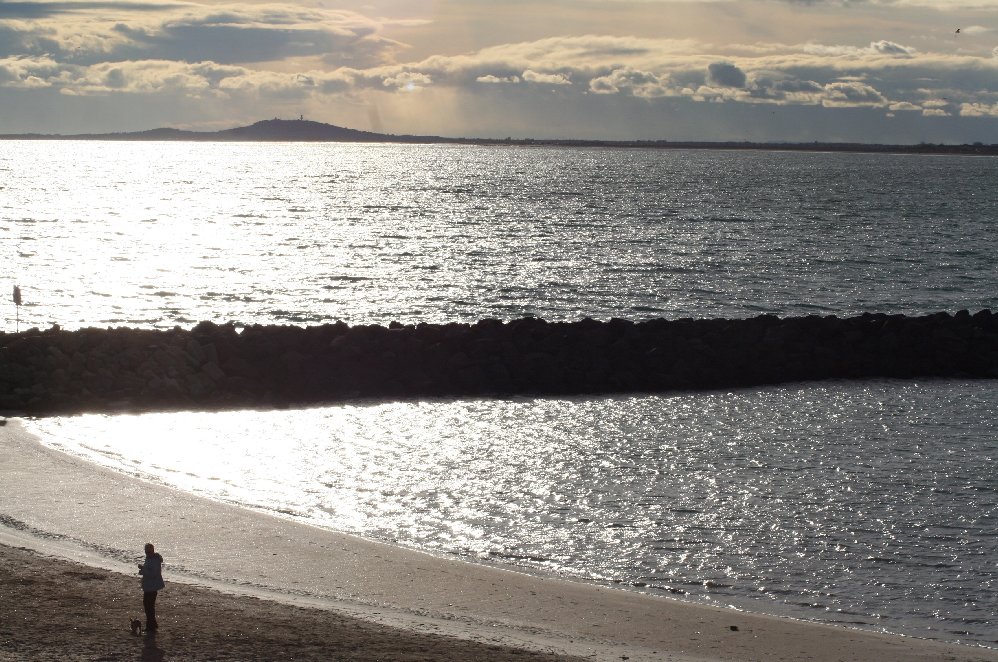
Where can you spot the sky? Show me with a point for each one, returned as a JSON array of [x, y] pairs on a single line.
[[880, 71]]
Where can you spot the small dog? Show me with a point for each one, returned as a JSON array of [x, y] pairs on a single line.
[[136, 626]]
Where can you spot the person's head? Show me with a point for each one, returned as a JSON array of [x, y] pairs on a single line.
[[150, 550]]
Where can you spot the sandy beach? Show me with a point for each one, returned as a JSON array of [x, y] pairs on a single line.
[[245, 585]]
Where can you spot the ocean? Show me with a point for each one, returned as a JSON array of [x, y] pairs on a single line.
[[872, 504]]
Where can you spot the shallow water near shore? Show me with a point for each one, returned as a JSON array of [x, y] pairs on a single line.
[[871, 504]]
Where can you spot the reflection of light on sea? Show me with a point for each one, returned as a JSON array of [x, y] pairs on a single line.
[[160, 234], [783, 500]]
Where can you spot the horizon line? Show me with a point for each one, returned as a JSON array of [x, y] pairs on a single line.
[[324, 132]]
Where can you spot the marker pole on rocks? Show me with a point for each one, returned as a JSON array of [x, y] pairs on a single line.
[[17, 307]]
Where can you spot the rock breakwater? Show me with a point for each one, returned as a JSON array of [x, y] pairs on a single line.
[[221, 366]]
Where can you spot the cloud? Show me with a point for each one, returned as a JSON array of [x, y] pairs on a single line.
[[852, 94], [254, 85], [882, 47], [979, 110], [87, 32], [782, 85], [146, 77], [808, 74], [725, 74], [41, 10], [532, 76], [408, 81], [334, 60], [890, 48], [637, 83], [494, 80], [27, 72]]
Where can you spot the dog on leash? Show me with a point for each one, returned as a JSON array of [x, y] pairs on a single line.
[[136, 626]]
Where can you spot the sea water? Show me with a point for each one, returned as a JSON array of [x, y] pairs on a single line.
[[865, 503], [871, 504], [164, 234]]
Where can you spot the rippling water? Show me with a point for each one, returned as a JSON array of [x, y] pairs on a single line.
[[869, 503], [158, 234], [872, 504]]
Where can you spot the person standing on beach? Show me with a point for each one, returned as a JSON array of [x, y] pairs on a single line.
[[152, 582]]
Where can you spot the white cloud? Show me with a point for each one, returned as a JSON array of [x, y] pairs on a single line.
[[852, 94], [408, 81], [532, 76], [637, 83], [890, 48], [27, 72], [882, 47], [145, 77], [720, 94], [979, 110], [490, 79]]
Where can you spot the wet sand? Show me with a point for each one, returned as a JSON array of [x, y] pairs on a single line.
[[245, 585]]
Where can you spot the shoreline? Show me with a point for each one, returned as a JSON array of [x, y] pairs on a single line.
[[302, 130], [83, 512]]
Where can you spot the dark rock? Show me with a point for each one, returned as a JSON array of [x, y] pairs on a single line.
[[214, 365]]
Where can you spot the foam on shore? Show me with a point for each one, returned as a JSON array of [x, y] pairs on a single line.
[[65, 507]]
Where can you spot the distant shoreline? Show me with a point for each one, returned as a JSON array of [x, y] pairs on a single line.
[[308, 131]]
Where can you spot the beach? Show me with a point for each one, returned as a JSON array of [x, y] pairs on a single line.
[[245, 585], [58, 610]]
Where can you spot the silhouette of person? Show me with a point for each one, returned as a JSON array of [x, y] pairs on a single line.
[[152, 581]]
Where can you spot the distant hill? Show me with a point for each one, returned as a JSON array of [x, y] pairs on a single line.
[[264, 131], [299, 130], [303, 130]]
